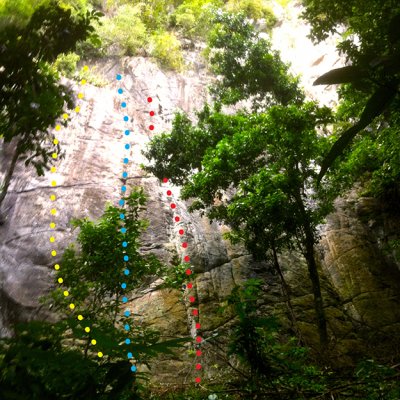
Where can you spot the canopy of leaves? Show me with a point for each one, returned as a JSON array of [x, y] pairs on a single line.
[[31, 96], [371, 42], [241, 168], [247, 65]]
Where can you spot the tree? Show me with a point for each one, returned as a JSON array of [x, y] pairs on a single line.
[[63, 360], [248, 67], [270, 158], [257, 173], [31, 96]]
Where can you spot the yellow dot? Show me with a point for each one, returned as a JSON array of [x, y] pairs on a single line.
[[83, 82], [60, 280], [80, 317], [52, 239], [53, 169], [53, 253], [52, 197], [66, 293], [55, 141], [80, 95], [100, 354], [86, 68], [65, 116], [57, 267], [72, 306], [52, 225], [54, 155], [58, 127], [53, 183], [77, 109], [53, 211], [94, 342], [87, 329]]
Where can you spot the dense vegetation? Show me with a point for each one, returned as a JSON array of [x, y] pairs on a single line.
[[270, 171], [92, 351]]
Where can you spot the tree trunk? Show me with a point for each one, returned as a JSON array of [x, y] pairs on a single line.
[[286, 293], [316, 286], [9, 173], [308, 253]]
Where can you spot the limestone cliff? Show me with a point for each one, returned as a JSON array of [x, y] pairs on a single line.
[[361, 282]]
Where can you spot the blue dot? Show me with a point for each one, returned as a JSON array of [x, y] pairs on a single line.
[[127, 146], [123, 285], [124, 174], [127, 132], [127, 313], [121, 202], [124, 299], [126, 272], [122, 216], [123, 104], [123, 188], [126, 327], [119, 77], [126, 160], [123, 230], [120, 91], [128, 341], [126, 258], [133, 368], [126, 118], [124, 244], [130, 355]]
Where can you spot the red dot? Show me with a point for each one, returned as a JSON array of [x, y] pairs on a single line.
[[184, 245], [151, 113], [198, 380], [187, 258], [189, 285], [198, 353], [195, 312], [181, 231], [198, 366], [151, 127], [188, 271], [192, 299], [149, 99], [198, 325], [165, 180], [173, 205], [177, 219], [198, 339], [169, 193]]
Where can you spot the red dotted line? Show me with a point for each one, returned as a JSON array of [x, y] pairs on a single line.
[[186, 259]]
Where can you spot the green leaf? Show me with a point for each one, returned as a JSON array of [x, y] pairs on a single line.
[[374, 107], [347, 74]]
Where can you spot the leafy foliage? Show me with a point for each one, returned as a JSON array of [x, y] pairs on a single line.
[[248, 66], [254, 9], [254, 172], [166, 48], [59, 360], [29, 82], [375, 68], [193, 18], [279, 368], [124, 33]]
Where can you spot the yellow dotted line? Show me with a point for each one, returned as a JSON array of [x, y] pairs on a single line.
[[53, 211]]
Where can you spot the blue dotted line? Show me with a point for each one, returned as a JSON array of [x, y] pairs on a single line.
[[127, 313]]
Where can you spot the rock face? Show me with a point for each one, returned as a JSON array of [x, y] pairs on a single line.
[[360, 282]]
